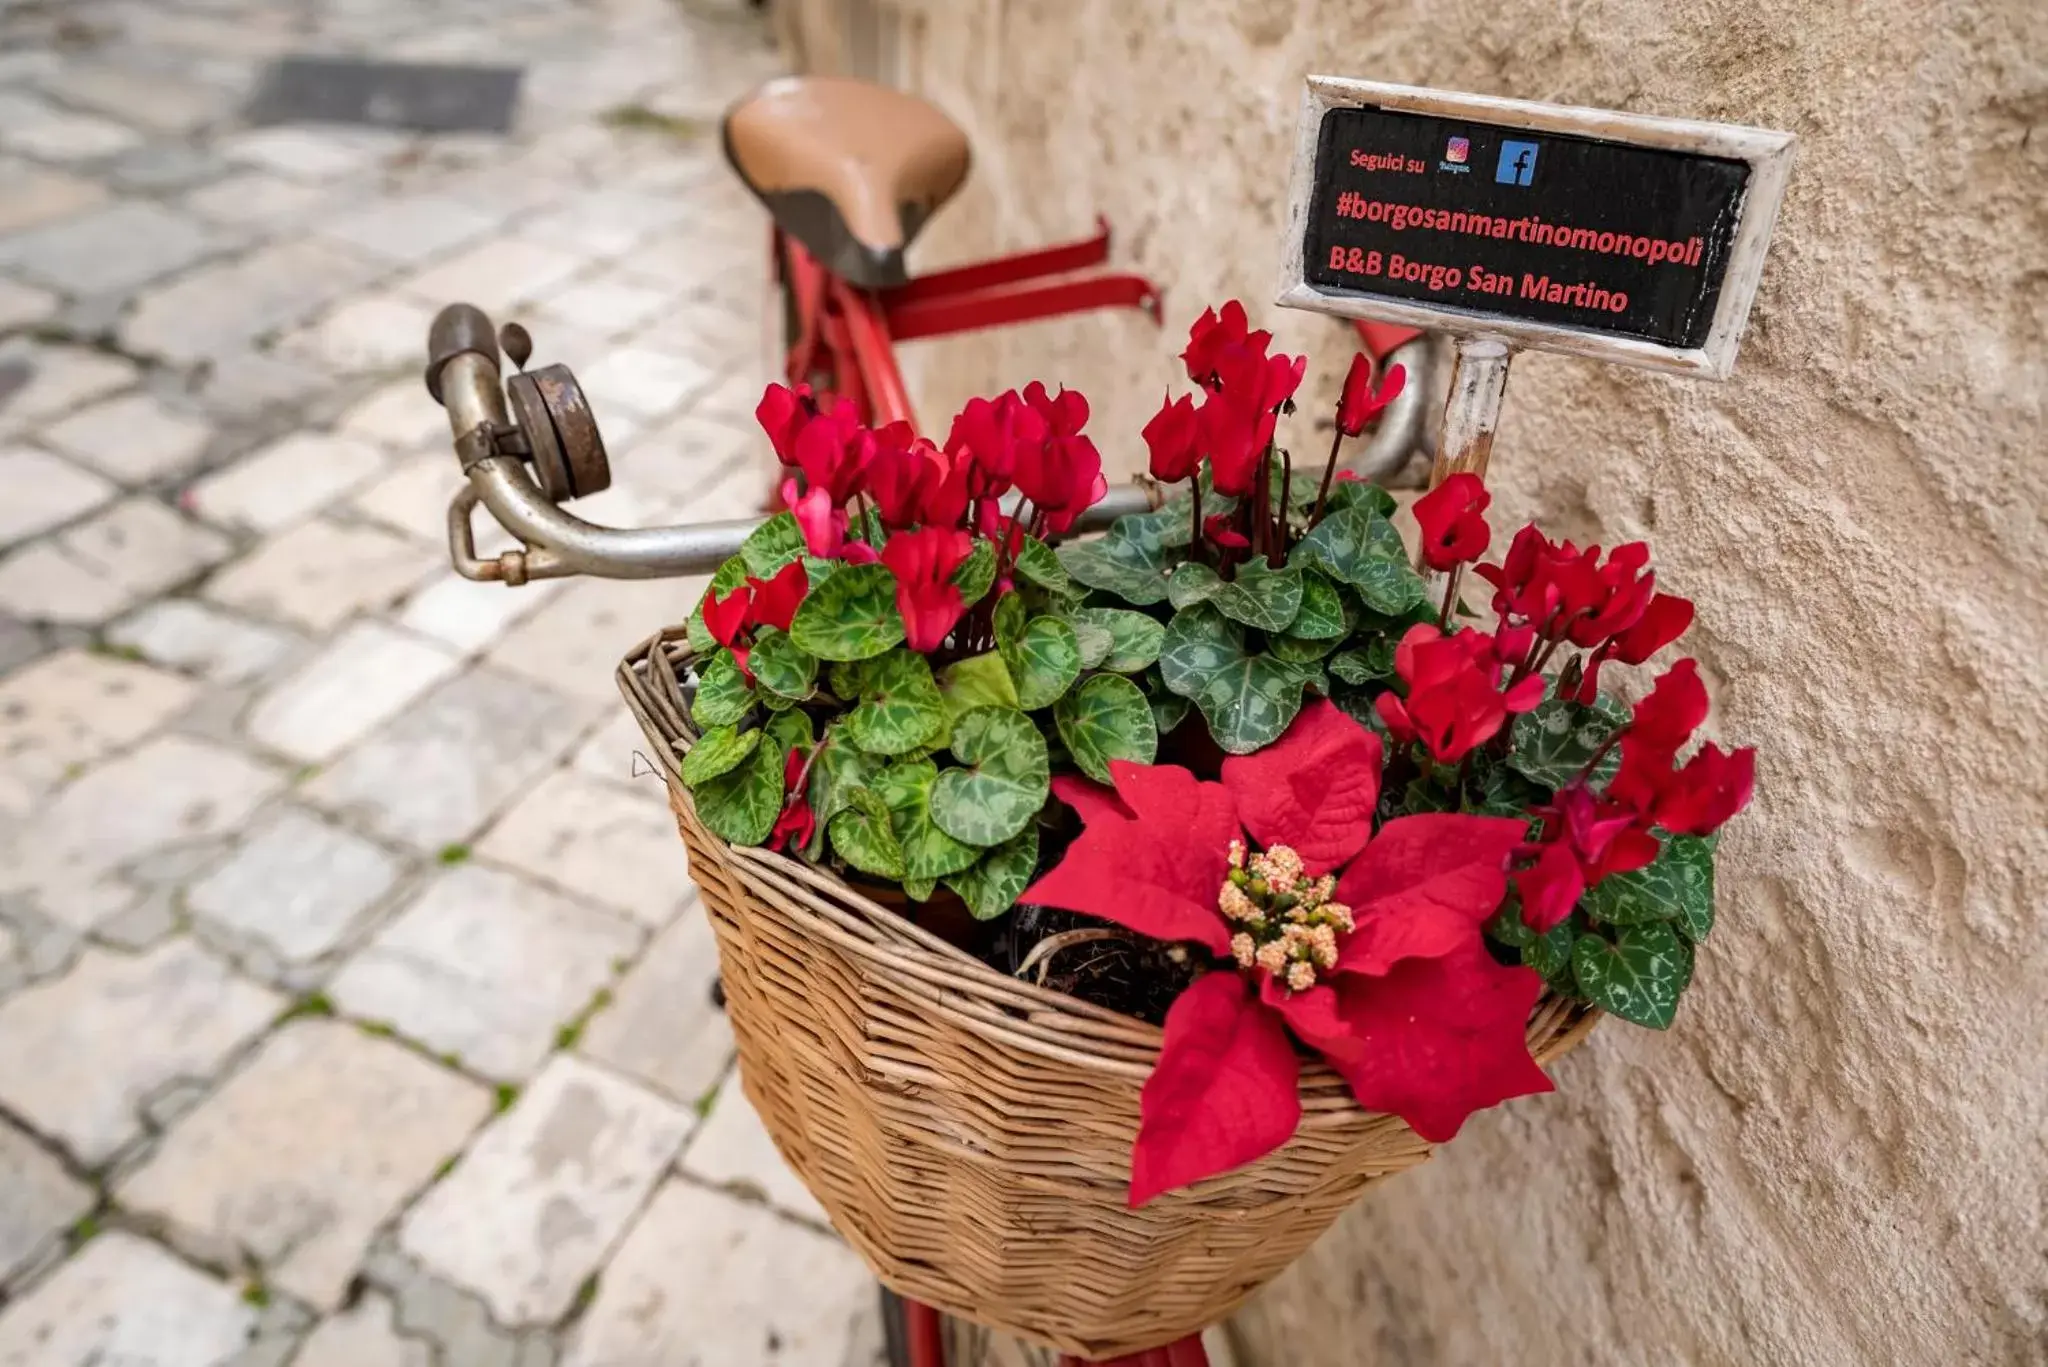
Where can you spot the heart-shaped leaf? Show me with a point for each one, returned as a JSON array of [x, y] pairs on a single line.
[[793, 729], [837, 770], [723, 693], [1294, 650], [1639, 977], [1192, 583], [1553, 742], [900, 707], [1169, 711], [1261, 596], [920, 889], [1037, 563], [781, 666], [1551, 953], [1133, 638], [1354, 493], [1369, 665], [774, 544], [1106, 718], [742, 804], [1093, 639], [1130, 562], [1248, 700], [702, 642], [1005, 781], [997, 879], [817, 570], [719, 751], [1043, 656], [977, 681], [977, 572], [929, 853], [862, 836], [1359, 547], [850, 616], [1677, 886], [1322, 616]]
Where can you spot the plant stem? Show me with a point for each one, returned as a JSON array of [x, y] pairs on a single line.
[[1443, 617], [1195, 500], [1329, 470], [1286, 497]]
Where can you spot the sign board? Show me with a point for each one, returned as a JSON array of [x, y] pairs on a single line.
[[1615, 236]]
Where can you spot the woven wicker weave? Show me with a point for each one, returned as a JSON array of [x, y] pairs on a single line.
[[970, 1134]]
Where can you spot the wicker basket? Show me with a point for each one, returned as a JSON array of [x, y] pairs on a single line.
[[970, 1134]]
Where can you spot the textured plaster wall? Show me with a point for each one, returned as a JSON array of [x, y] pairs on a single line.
[[1837, 1154]]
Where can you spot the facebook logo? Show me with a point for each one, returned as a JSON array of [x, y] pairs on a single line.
[[1517, 163]]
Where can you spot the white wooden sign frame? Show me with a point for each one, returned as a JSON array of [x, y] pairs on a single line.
[[1768, 153]]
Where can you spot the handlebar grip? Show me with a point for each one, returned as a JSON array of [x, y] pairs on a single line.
[[457, 329]]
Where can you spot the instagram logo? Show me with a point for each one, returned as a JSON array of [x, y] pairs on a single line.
[[1457, 149]]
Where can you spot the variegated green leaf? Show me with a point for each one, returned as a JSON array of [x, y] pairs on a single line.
[[1294, 650], [928, 852], [1192, 583], [1322, 616], [900, 707], [1129, 563], [723, 693], [851, 616], [1261, 596], [862, 836], [742, 804], [1248, 700], [772, 545], [1354, 493], [1369, 665], [1639, 977], [920, 889], [1005, 780], [977, 681], [719, 751], [977, 573], [1169, 711], [1359, 547], [793, 729], [1093, 640], [1043, 656], [1106, 718], [1038, 564], [781, 666], [996, 880], [1678, 887], [1133, 638], [1554, 742], [838, 769]]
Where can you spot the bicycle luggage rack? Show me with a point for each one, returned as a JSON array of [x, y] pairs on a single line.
[[531, 443]]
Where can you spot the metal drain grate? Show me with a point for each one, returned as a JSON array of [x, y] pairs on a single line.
[[422, 98]]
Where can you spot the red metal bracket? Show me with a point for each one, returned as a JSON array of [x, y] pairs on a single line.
[[1187, 1352], [1383, 339], [1006, 270], [968, 312]]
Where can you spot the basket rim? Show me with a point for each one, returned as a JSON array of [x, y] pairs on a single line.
[[892, 944]]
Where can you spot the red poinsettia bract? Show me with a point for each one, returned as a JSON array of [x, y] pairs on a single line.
[[1367, 947]]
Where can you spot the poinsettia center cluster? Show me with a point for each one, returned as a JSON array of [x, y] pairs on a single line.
[[1283, 922]]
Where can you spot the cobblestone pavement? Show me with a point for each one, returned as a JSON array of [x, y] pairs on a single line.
[[353, 999]]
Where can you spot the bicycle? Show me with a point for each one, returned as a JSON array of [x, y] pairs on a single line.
[[849, 173]]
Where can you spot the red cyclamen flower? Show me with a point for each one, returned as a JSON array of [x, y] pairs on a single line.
[[1173, 438], [1663, 621], [833, 451], [1064, 475], [1454, 702], [1452, 517], [1367, 947], [1214, 335], [1584, 841], [796, 825], [912, 481], [782, 413], [1361, 402], [926, 596], [990, 436]]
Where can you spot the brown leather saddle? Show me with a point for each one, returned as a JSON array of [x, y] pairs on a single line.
[[850, 170]]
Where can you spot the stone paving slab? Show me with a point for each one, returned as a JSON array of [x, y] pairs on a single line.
[[124, 1302], [39, 1203], [278, 1167], [539, 1200], [438, 773], [81, 1055], [757, 1292], [313, 855], [486, 967]]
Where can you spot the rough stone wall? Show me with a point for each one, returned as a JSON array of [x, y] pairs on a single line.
[[1837, 1154]]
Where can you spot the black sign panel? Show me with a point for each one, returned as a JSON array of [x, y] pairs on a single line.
[[1543, 227]]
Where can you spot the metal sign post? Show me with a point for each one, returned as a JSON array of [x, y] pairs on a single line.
[[1511, 225]]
